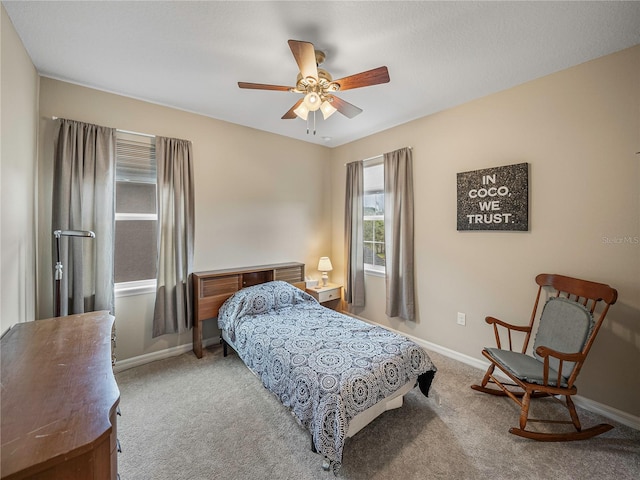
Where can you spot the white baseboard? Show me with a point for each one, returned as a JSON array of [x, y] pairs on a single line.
[[591, 405], [122, 365], [609, 412], [586, 403]]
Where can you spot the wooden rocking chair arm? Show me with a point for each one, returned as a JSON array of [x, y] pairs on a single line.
[[509, 326], [565, 357]]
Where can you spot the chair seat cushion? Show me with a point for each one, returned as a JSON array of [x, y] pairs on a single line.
[[524, 367]]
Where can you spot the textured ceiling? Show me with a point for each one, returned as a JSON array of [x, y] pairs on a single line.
[[190, 55]]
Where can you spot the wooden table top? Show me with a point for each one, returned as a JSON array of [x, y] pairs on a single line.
[[57, 390]]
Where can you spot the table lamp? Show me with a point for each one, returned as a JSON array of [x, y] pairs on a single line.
[[324, 266]]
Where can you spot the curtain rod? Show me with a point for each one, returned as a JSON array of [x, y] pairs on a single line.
[[136, 133], [371, 158], [124, 131]]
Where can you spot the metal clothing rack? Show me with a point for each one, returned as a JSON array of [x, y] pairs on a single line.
[[58, 267]]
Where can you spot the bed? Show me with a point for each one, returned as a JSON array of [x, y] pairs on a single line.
[[334, 372]]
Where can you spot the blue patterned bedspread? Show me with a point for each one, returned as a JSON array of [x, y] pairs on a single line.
[[325, 366]]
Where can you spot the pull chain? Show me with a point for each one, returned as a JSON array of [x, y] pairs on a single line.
[[314, 123]]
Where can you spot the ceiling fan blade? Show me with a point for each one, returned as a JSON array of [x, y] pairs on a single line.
[[364, 79], [291, 114], [345, 108], [305, 55], [262, 86]]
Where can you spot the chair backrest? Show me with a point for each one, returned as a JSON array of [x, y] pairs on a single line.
[[570, 322], [564, 326]]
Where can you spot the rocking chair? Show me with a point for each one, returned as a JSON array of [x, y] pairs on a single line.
[[567, 328]]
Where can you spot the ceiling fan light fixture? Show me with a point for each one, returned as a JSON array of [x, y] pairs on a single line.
[[302, 111], [327, 109], [317, 85], [312, 101]]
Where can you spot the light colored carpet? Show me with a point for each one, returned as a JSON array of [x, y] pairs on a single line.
[[184, 418]]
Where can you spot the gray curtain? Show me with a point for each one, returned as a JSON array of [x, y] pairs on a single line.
[[83, 199], [354, 235], [398, 231], [176, 206]]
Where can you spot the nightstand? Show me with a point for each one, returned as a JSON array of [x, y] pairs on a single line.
[[329, 296]]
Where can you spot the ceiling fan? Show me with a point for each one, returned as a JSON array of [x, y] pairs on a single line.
[[318, 86]]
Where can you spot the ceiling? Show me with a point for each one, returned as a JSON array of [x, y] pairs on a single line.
[[190, 55]]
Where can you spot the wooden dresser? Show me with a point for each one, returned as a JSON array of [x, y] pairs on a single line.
[[212, 288], [59, 399]]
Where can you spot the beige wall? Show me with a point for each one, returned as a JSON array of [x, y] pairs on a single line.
[[260, 198], [263, 198], [19, 105], [579, 130]]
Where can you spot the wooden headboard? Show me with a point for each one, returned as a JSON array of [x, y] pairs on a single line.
[[212, 288]]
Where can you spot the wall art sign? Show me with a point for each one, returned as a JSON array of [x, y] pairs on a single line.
[[494, 198]]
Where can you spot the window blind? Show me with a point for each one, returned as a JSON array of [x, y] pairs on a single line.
[[374, 176], [135, 158]]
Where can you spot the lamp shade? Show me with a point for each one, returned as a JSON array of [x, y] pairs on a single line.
[[324, 265], [302, 111], [327, 109], [312, 101]]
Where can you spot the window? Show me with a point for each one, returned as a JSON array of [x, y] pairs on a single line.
[[374, 215], [136, 213]]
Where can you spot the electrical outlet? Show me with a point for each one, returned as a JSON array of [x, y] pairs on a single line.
[[462, 319]]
